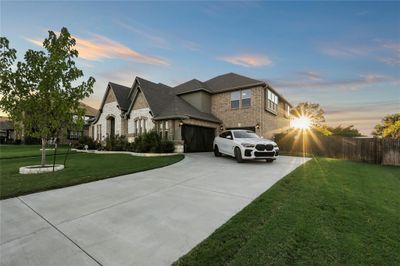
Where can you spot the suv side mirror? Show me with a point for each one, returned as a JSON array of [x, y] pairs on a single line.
[[229, 137]]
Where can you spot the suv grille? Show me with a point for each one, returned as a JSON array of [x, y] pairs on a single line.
[[264, 153], [269, 147], [260, 147]]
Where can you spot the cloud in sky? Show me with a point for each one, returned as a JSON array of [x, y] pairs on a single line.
[[100, 47], [384, 51], [247, 60], [344, 84], [154, 38], [342, 50], [159, 39], [311, 75], [394, 56]]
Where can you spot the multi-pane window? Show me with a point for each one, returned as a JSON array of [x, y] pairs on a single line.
[[272, 101], [136, 127], [98, 132], [241, 98], [246, 98], [73, 135], [235, 99], [140, 126], [166, 130], [144, 125]]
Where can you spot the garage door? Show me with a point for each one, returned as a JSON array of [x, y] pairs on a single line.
[[243, 128], [197, 138]]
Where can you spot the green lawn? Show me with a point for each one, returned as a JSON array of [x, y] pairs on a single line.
[[326, 212], [80, 168], [16, 151]]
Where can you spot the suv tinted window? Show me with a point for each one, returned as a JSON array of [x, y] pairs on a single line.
[[225, 134]]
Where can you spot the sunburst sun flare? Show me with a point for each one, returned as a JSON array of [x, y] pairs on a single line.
[[301, 122]]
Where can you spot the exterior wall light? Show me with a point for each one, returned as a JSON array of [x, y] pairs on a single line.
[[180, 123], [258, 126], [221, 128]]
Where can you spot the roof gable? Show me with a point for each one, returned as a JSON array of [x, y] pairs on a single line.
[[121, 94], [191, 86], [231, 81]]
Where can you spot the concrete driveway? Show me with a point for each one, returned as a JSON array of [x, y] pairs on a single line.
[[147, 218]]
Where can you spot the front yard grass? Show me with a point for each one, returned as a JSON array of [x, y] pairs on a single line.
[[326, 212], [18, 151], [80, 168]]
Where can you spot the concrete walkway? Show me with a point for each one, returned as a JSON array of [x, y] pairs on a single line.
[[147, 218]]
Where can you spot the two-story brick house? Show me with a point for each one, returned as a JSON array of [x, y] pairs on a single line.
[[192, 113]]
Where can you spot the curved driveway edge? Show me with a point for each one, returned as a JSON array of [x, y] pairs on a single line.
[[147, 218]]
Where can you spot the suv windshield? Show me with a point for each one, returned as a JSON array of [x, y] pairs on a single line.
[[245, 134]]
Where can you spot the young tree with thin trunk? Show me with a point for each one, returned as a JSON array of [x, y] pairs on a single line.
[[42, 95]]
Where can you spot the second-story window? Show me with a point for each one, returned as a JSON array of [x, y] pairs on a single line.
[[287, 109], [246, 98], [272, 101], [235, 99]]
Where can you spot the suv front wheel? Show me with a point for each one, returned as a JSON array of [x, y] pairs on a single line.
[[238, 155], [216, 151]]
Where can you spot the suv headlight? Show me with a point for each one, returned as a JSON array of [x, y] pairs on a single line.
[[275, 145], [248, 145]]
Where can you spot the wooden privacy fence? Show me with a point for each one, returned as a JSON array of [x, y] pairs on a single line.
[[371, 150]]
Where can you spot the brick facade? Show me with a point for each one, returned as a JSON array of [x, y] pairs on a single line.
[[251, 116]]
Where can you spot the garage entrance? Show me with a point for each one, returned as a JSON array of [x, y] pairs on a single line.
[[197, 139]]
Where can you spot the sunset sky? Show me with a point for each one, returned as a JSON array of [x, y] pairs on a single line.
[[343, 55]]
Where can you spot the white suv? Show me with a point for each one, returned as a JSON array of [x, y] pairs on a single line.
[[245, 144]]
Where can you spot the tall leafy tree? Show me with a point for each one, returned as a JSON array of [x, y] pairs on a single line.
[[44, 92], [389, 127]]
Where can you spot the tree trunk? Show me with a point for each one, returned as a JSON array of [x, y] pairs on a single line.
[[43, 151]]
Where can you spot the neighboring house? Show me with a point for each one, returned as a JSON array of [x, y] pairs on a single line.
[[192, 113], [90, 115], [7, 132]]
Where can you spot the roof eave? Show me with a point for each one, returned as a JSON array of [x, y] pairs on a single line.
[[192, 91]]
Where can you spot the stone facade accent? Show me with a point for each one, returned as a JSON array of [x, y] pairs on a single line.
[[140, 102], [124, 126], [111, 97], [255, 114], [143, 113], [110, 108]]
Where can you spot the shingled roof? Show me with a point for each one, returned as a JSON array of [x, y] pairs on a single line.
[[121, 93], [164, 103], [191, 86], [89, 111], [231, 81]]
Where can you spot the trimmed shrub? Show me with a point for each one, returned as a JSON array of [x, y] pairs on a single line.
[[167, 146], [152, 142], [85, 140], [116, 143]]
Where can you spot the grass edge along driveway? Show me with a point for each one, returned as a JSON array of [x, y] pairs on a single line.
[[80, 168], [326, 212]]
